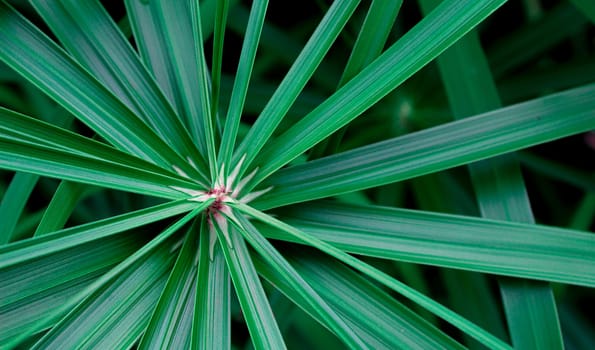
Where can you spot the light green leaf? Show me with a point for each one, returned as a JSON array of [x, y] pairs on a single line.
[[152, 46], [298, 285], [103, 280], [28, 51], [240, 86], [442, 147], [380, 276], [497, 247], [108, 55], [221, 10], [114, 316], [50, 162], [295, 80], [375, 316], [171, 321], [204, 90], [370, 42], [212, 323], [264, 331], [184, 62], [31, 145], [34, 288], [38, 247], [436, 32]]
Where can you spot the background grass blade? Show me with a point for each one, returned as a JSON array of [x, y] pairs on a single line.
[[457, 143], [413, 51], [496, 247], [499, 189], [60, 207], [587, 8], [13, 202], [525, 44]]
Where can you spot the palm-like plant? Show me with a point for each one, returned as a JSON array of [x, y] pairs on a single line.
[[231, 191]]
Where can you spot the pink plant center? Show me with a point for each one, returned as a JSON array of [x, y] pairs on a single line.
[[221, 195]]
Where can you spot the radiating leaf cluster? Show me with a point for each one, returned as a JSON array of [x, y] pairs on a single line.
[[192, 191]]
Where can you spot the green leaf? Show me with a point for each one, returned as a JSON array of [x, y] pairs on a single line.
[[101, 282], [497, 247], [115, 316], [298, 285], [153, 49], [372, 36], [264, 331], [28, 51], [370, 42], [35, 287], [38, 247], [31, 145], [221, 10], [375, 316], [380, 276], [17, 126], [240, 86], [442, 147], [184, 63], [212, 324], [50, 162], [171, 321], [295, 80], [109, 56], [532, 315], [204, 97], [441, 192], [436, 32]]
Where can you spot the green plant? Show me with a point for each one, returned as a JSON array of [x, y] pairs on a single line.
[[228, 205]]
